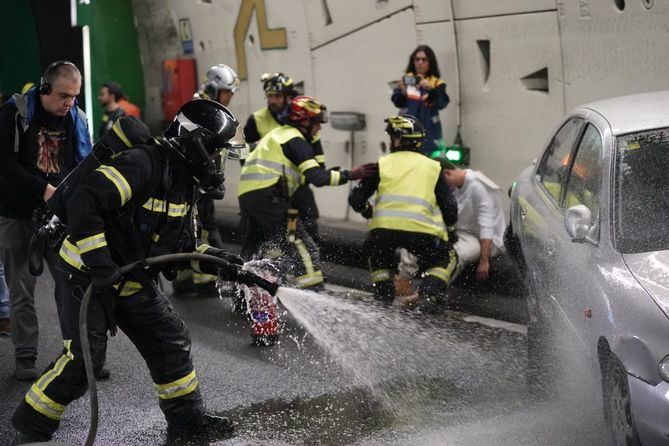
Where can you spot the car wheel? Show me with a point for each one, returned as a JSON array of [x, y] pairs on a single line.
[[542, 360], [617, 404]]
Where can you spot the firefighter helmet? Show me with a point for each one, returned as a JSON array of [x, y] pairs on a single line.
[[220, 77], [303, 108], [277, 83], [407, 129], [205, 133]]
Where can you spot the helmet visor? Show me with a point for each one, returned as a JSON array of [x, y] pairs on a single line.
[[237, 149]]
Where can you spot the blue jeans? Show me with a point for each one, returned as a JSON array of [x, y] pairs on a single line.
[[4, 295]]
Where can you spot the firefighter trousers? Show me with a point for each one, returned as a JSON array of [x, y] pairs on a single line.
[[264, 213], [153, 326], [436, 261]]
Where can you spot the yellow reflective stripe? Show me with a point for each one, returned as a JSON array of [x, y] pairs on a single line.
[[202, 249], [380, 275], [444, 274], [155, 237], [177, 210], [119, 132], [200, 278], [118, 180], [90, 243], [43, 404], [310, 279], [304, 255], [335, 176], [155, 205], [36, 397], [130, 288], [56, 370], [320, 159], [180, 387], [70, 253], [308, 164]]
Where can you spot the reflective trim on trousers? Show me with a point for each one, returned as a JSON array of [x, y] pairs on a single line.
[[381, 275], [310, 279], [444, 274], [180, 387], [304, 255], [36, 397]]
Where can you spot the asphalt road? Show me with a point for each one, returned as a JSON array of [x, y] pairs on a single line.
[[345, 372]]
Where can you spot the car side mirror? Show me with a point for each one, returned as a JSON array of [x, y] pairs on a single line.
[[577, 222]]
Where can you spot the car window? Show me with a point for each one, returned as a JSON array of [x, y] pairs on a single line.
[[641, 184], [584, 182], [556, 160]]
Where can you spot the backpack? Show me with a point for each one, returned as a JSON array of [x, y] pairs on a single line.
[[127, 132]]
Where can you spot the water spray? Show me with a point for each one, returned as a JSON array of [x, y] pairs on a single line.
[[244, 275]]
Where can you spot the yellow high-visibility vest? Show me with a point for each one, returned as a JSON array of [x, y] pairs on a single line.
[[267, 163], [265, 122], [405, 197]]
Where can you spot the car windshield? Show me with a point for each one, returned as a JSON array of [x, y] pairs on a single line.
[[642, 191]]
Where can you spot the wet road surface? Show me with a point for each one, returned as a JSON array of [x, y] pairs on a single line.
[[402, 380]]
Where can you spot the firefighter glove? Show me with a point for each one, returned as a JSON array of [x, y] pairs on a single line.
[[248, 278]]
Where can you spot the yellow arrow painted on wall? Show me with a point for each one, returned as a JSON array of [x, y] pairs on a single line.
[[269, 38]]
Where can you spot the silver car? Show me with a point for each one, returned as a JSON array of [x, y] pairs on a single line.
[[589, 227]]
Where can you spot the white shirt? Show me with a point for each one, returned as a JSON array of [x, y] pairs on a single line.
[[480, 208]]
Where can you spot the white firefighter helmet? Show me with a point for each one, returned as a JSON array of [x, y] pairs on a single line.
[[220, 77]]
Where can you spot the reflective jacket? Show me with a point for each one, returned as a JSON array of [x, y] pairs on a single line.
[[405, 197], [285, 158], [125, 210]]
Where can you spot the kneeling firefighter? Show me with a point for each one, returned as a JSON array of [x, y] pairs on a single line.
[[410, 192], [135, 205]]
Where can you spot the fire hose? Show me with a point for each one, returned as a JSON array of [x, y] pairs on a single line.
[[243, 276]]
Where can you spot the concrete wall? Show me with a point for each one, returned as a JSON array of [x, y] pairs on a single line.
[[522, 64]]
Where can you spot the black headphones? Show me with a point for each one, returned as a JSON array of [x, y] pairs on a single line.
[[44, 84]]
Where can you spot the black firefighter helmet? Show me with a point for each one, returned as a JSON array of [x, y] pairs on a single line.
[[205, 134], [408, 129]]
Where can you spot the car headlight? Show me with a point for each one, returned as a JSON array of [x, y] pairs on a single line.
[[663, 368]]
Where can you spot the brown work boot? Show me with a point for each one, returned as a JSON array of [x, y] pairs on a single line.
[[5, 327]]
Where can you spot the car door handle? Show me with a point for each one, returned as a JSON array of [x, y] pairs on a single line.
[[550, 247]]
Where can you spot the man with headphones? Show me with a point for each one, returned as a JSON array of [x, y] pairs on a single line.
[[43, 135]]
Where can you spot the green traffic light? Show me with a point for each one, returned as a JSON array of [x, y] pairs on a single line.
[[454, 155]]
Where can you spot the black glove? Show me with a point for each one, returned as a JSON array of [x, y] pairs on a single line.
[[368, 211], [107, 296], [228, 271], [364, 171], [248, 278], [230, 258], [452, 232]]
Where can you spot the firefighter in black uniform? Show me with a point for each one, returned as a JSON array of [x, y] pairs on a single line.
[[413, 209], [220, 86], [283, 160], [137, 205], [279, 91]]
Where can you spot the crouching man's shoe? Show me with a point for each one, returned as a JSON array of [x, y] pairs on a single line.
[[25, 438], [208, 425]]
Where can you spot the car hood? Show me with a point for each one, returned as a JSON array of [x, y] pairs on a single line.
[[651, 269]]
